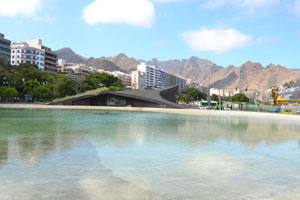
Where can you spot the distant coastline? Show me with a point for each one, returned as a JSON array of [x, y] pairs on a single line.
[[244, 114]]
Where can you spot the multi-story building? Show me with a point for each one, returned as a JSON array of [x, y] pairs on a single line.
[[4, 49], [154, 77], [33, 52], [172, 80], [124, 78], [138, 80], [23, 53]]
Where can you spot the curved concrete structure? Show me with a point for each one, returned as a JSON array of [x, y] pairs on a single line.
[[163, 98]]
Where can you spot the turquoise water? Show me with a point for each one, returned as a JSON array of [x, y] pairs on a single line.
[[63, 154]]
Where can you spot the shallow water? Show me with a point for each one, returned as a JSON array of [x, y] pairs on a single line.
[[65, 154]]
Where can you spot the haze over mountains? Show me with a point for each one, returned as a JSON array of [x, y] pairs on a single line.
[[249, 75]]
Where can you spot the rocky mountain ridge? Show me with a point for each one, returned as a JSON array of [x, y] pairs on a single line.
[[250, 75]]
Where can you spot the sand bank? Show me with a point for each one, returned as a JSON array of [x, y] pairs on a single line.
[[258, 115]]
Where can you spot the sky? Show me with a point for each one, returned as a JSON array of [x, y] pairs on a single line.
[[227, 32]]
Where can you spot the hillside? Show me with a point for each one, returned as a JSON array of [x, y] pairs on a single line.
[[250, 75], [194, 67], [69, 55]]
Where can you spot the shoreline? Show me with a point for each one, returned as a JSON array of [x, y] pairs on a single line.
[[246, 114]]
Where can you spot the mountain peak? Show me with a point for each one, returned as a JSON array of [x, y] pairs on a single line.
[[69, 55], [121, 55]]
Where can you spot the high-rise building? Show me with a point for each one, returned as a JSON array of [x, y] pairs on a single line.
[[33, 52], [172, 80], [155, 78], [4, 49], [138, 80]]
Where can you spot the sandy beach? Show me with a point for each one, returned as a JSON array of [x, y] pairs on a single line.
[[260, 115]]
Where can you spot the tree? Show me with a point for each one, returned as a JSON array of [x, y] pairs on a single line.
[[240, 98], [98, 80], [214, 97], [42, 92], [8, 92], [191, 94], [64, 86], [30, 85]]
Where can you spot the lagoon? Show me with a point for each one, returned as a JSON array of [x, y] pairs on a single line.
[[86, 154]]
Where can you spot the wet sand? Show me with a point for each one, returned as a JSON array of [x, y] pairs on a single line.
[[260, 115]]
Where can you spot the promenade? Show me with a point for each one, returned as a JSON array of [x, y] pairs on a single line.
[[246, 114]]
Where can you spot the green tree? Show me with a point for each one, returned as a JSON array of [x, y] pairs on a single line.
[[30, 85], [214, 97], [64, 86], [8, 92], [240, 98], [191, 94], [42, 92], [98, 80]]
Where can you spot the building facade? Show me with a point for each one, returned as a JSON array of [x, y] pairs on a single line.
[[4, 49], [138, 80], [172, 80], [154, 77], [124, 78], [23, 53], [33, 52]]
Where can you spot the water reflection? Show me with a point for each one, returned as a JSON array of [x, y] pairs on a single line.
[[81, 155]]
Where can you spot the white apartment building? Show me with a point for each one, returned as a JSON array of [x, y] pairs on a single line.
[[154, 77], [138, 80], [33, 52], [24, 53], [123, 77]]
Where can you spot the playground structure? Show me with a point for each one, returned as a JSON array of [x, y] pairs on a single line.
[[279, 101]]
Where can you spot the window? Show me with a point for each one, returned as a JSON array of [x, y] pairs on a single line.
[[18, 51], [13, 51], [13, 62]]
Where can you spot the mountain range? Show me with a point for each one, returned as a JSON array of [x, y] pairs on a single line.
[[250, 75]]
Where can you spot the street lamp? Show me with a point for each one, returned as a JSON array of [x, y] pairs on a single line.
[[53, 88], [23, 79]]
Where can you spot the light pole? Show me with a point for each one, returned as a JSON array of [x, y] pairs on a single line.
[[23, 79], [54, 88], [208, 91]]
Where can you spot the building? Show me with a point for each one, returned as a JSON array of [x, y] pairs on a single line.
[[23, 53], [173, 80], [4, 49], [78, 69], [160, 98], [154, 77], [124, 78], [33, 52], [138, 80]]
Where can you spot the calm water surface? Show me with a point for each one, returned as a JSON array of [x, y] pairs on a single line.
[[57, 154]]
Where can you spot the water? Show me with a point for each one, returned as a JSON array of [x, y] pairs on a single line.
[[57, 154]]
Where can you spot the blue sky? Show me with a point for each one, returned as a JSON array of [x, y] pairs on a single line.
[[223, 31]]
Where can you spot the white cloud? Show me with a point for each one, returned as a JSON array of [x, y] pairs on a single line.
[[12, 8], [133, 12], [216, 40], [249, 4]]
